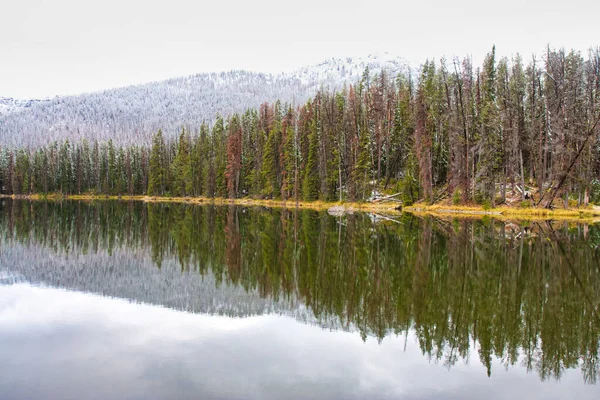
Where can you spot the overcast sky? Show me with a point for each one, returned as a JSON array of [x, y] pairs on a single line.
[[61, 47]]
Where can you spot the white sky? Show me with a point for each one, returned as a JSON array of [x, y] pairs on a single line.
[[57, 47]]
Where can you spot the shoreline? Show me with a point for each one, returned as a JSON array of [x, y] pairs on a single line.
[[222, 201], [588, 214], [504, 212]]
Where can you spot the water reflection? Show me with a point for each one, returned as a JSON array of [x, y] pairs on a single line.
[[71, 345], [514, 295]]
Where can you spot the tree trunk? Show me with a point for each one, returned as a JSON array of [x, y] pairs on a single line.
[[522, 175]]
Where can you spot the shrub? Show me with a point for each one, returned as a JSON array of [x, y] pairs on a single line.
[[456, 197], [409, 187], [525, 204], [486, 205], [478, 197], [595, 191]]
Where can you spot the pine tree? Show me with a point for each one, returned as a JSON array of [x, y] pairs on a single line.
[[112, 177], [310, 185], [491, 143], [362, 168], [10, 172], [20, 177], [289, 158], [95, 178], [40, 172], [234, 156], [65, 168], [269, 171], [181, 168], [219, 145], [120, 185], [157, 166]]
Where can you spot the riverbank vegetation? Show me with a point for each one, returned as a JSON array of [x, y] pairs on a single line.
[[511, 132]]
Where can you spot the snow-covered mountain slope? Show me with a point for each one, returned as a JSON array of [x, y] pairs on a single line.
[[131, 114], [9, 105]]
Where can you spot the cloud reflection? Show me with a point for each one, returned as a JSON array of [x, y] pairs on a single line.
[[62, 344]]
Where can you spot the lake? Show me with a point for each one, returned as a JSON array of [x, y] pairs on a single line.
[[132, 300]]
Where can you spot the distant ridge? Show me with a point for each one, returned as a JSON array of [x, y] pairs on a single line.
[[131, 114]]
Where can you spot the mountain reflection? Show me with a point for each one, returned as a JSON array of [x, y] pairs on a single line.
[[524, 293]]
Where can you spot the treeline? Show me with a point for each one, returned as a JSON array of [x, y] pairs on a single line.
[[454, 130], [130, 115]]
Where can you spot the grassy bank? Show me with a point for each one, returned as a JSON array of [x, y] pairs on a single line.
[[589, 214], [505, 212], [312, 205]]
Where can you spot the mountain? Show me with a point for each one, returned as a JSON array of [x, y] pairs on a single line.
[[9, 105], [132, 275], [132, 114]]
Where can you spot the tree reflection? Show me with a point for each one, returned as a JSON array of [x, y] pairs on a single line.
[[521, 293]]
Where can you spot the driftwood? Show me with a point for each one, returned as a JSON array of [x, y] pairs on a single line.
[[383, 217], [473, 212], [466, 212], [568, 171], [391, 196], [340, 211], [442, 196]]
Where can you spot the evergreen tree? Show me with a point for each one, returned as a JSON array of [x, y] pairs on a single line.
[[361, 171], [289, 158], [20, 177], [157, 166], [310, 185], [491, 142], [198, 160], [219, 157], [234, 156], [269, 171], [65, 171], [10, 172], [181, 168]]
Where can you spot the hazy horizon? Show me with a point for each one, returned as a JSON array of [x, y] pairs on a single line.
[[68, 47]]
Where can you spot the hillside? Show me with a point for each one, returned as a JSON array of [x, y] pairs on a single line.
[[131, 114], [9, 105]]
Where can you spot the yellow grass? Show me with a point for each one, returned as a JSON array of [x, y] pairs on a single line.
[[505, 212], [313, 205], [588, 214]]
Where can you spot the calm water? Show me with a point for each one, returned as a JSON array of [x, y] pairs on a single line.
[[163, 301]]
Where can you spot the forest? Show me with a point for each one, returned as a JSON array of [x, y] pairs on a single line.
[[451, 130]]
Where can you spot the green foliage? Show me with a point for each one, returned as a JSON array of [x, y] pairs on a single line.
[[181, 167], [456, 197], [408, 186], [65, 170], [219, 158], [290, 161], [362, 171], [486, 204], [157, 172], [595, 191], [269, 171], [200, 163], [311, 174], [478, 197]]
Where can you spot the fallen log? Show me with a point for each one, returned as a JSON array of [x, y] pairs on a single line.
[[391, 196]]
